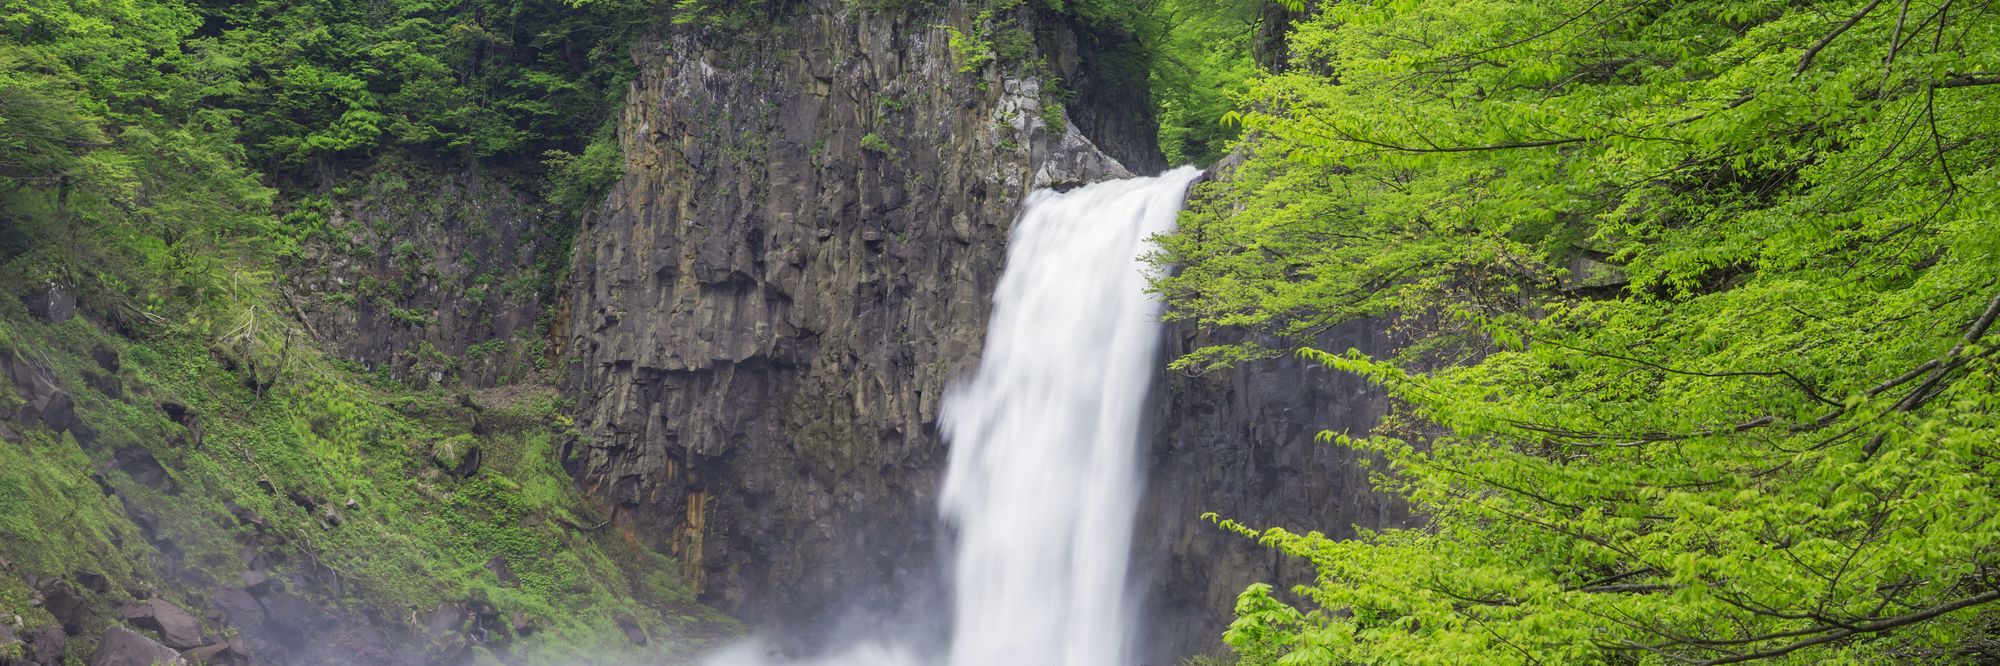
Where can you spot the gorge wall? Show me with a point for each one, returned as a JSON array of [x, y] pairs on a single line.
[[797, 263], [767, 309], [1241, 443]]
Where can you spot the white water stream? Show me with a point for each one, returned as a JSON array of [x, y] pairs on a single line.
[[1044, 475]]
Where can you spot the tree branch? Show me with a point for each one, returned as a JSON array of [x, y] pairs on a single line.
[[1968, 80], [1806, 60], [1803, 386], [1940, 367], [1877, 627]]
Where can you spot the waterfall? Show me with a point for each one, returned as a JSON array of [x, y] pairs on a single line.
[[1044, 473]]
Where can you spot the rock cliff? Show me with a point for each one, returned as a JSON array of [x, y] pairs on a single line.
[[1241, 443], [429, 275], [799, 258]]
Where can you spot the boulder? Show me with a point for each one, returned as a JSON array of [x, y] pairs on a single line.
[[47, 403], [205, 654], [184, 416], [632, 630], [502, 572], [46, 645], [469, 464], [239, 607], [178, 628], [145, 469], [106, 358], [124, 647], [523, 625], [63, 602], [53, 407], [444, 619], [52, 302], [245, 517], [93, 581], [257, 582], [109, 385]]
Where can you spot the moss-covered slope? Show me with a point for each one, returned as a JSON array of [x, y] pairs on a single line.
[[302, 514]]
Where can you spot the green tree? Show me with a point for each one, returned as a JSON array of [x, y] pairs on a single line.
[[1700, 299], [1202, 63]]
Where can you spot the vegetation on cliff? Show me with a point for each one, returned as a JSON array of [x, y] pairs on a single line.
[[174, 430], [1699, 299]]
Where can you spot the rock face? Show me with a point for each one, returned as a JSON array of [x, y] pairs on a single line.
[[798, 260], [437, 276], [1241, 443]]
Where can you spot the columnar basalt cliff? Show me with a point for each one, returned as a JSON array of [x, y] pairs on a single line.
[[1242, 443], [797, 262]]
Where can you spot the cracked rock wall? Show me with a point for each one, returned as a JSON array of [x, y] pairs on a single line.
[[768, 307]]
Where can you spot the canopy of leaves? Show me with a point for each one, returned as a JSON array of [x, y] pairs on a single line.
[[1700, 299], [1202, 63], [144, 136]]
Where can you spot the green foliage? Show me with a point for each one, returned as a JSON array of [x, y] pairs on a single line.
[[316, 82], [731, 15], [1205, 660], [873, 142], [577, 182], [972, 52], [1701, 296], [492, 347], [891, 5], [128, 130], [1196, 57], [1202, 62], [405, 534]]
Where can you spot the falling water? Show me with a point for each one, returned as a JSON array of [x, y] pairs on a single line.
[[1044, 472], [1044, 476]]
